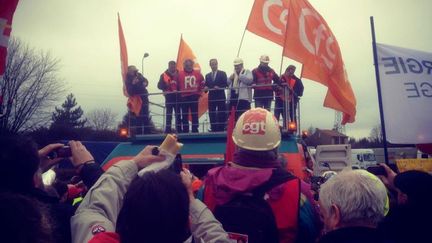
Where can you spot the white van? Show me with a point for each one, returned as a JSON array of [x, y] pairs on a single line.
[[363, 158]]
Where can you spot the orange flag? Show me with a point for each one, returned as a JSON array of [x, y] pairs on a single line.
[[268, 20], [307, 39], [134, 102], [185, 52]]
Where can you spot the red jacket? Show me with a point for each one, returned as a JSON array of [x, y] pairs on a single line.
[[264, 78], [190, 83]]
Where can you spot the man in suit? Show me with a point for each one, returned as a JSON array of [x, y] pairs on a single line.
[[215, 83]]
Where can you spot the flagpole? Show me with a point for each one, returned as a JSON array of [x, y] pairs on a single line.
[[378, 81], [241, 42], [178, 52], [244, 31]]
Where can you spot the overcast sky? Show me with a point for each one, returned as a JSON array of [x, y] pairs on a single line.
[[83, 35]]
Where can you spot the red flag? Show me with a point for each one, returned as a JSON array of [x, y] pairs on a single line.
[[185, 52], [7, 10], [307, 39], [230, 147], [134, 102]]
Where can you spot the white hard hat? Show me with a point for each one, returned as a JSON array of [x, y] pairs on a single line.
[[238, 61], [265, 59], [257, 130]]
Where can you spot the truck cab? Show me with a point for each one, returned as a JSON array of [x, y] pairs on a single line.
[[363, 158]]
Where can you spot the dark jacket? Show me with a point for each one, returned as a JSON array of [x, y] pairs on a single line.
[[139, 88], [60, 214], [406, 224], [298, 86], [220, 81], [352, 235], [90, 173]]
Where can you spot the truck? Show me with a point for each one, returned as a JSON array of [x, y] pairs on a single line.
[[362, 158]]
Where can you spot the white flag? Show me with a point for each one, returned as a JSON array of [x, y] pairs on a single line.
[[406, 85]]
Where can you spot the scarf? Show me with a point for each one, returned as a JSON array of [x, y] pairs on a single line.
[[236, 82]]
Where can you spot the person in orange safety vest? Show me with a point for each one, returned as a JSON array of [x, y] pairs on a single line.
[[289, 91]]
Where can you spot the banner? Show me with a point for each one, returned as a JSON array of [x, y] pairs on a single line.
[[406, 88], [308, 40], [134, 103], [185, 52], [414, 164], [7, 10]]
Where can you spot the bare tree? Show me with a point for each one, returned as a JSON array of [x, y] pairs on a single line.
[[375, 135], [102, 119], [30, 87]]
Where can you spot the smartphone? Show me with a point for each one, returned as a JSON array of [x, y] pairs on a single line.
[[177, 165], [63, 152], [377, 170]]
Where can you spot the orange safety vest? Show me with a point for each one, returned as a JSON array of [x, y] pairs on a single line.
[[263, 79], [291, 83], [171, 84], [285, 209]]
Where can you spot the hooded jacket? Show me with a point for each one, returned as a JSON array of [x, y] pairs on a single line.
[[227, 182]]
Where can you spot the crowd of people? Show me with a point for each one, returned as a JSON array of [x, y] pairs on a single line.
[[252, 198], [183, 88]]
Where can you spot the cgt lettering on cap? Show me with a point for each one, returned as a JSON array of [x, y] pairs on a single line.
[[254, 123]]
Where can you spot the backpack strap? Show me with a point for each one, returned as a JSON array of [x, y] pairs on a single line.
[[278, 177]]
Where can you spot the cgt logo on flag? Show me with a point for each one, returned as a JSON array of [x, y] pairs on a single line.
[[306, 38], [254, 123], [314, 36]]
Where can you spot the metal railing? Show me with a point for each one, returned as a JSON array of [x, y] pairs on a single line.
[[155, 121]]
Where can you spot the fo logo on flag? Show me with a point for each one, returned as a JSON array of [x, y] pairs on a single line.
[[254, 123]]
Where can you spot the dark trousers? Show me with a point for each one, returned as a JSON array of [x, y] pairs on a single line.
[[280, 109], [293, 110], [241, 106], [172, 106], [189, 104], [263, 103], [217, 114], [141, 123]]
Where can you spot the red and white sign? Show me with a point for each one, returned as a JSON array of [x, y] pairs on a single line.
[[254, 122]]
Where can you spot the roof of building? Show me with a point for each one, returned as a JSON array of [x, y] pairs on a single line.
[[331, 133]]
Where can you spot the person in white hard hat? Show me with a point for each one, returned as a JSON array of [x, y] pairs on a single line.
[[240, 95], [263, 78], [255, 165]]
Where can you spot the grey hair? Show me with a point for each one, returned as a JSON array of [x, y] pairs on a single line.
[[360, 196]]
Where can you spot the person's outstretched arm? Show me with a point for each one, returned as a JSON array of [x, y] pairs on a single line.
[[99, 210], [204, 226]]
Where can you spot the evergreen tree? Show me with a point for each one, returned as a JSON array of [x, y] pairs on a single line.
[[69, 115]]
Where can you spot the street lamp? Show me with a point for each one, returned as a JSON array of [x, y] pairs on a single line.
[[142, 62]]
